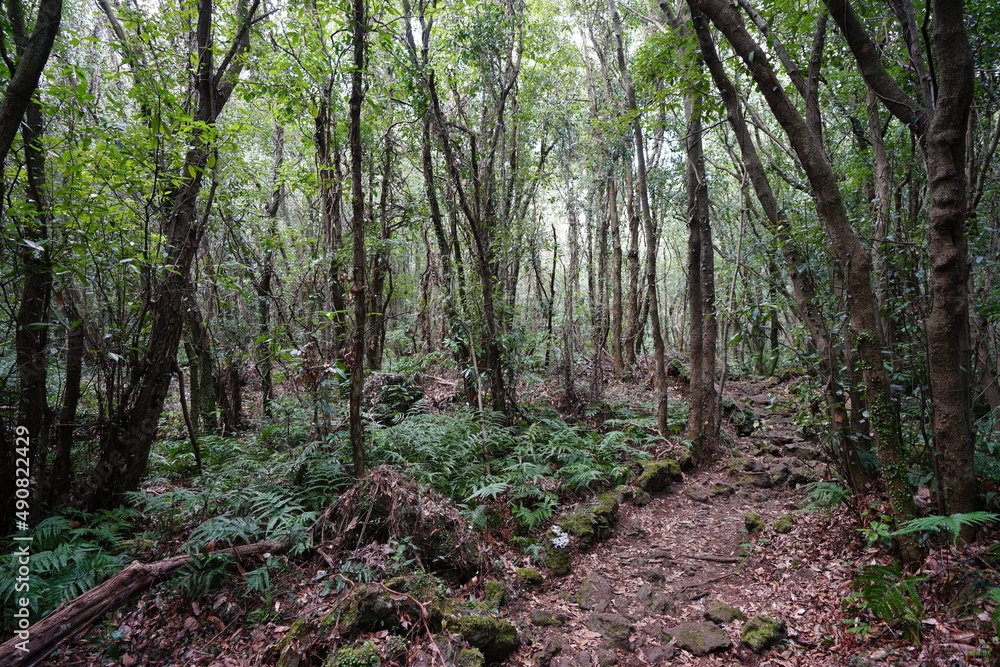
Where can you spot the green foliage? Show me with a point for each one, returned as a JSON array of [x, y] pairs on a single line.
[[952, 523], [526, 468], [66, 561], [890, 596], [824, 494]]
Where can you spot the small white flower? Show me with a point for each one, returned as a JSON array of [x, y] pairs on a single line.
[[561, 539]]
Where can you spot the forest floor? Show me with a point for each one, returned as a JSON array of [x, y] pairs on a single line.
[[693, 545], [665, 564]]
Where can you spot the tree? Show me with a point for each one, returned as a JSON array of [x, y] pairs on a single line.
[[939, 121], [126, 445], [853, 259]]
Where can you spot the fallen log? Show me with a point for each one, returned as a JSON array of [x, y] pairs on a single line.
[[53, 631]]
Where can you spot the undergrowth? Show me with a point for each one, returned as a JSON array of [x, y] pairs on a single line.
[[528, 467]]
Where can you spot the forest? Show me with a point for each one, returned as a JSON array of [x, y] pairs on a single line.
[[343, 333]]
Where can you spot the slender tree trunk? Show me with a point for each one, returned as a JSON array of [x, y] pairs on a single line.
[[265, 294], [648, 224], [62, 462], [569, 295], [31, 338], [127, 442], [617, 357], [359, 290]]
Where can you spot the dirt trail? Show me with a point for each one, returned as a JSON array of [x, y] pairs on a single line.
[[667, 563]]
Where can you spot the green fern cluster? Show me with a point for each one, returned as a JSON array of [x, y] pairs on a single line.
[[479, 461], [890, 596], [66, 562]]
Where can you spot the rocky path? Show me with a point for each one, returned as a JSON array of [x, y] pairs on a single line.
[[681, 577]]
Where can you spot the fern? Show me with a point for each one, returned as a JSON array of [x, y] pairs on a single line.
[[891, 596], [952, 523], [825, 494]]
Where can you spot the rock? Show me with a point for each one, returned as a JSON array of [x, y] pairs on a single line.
[[528, 578], [615, 628], [779, 473], [592, 523], [495, 594], [762, 632], [804, 451], [720, 489], [720, 613], [699, 638], [657, 476], [698, 495], [595, 593], [753, 523], [495, 638], [470, 657], [652, 576], [573, 659], [654, 600], [557, 552], [552, 648], [785, 524], [543, 618], [657, 655], [606, 658], [368, 608], [799, 475], [633, 494], [353, 655], [290, 647]]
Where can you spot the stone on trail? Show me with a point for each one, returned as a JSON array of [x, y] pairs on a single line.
[[657, 476], [495, 638], [720, 489], [654, 600], [784, 524], [573, 659], [753, 523], [657, 655], [543, 618], [699, 638], [606, 658], [720, 613], [528, 578], [595, 593], [762, 632], [552, 648], [698, 495], [615, 628]]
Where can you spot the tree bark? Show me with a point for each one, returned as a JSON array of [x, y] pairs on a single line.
[[359, 28]]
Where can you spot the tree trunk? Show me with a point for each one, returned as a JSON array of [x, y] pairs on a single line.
[[852, 256], [648, 224], [32, 53], [941, 133], [359, 290], [127, 442]]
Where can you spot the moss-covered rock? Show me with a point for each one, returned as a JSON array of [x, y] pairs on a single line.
[[699, 638], [496, 639], [753, 523], [720, 612], [558, 561], [698, 495], [582, 526], [628, 493], [369, 608], [528, 578], [543, 618], [762, 632], [784, 524], [654, 600], [470, 657], [495, 593], [720, 489], [615, 628], [290, 647], [354, 655], [656, 476]]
